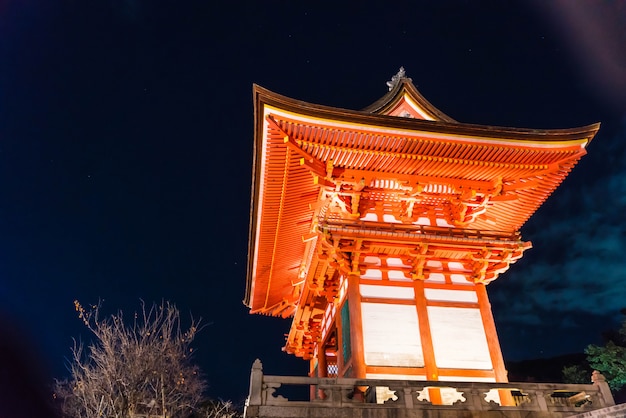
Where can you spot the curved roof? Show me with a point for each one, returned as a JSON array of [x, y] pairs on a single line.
[[403, 94], [399, 141]]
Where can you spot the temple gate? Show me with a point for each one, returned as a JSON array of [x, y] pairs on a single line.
[[378, 230]]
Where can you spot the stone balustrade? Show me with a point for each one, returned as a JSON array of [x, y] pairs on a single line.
[[278, 396]]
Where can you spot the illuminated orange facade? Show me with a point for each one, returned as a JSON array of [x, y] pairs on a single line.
[[378, 230]]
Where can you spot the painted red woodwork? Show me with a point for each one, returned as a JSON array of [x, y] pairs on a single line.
[[398, 194]]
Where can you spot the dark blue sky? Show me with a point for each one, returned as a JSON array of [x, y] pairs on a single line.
[[126, 149]]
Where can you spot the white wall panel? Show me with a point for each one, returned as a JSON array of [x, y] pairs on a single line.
[[390, 218], [451, 295], [373, 274], [371, 261], [459, 279], [459, 338], [436, 277], [392, 292], [397, 276], [443, 222], [391, 335], [396, 262], [455, 266], [370, 217]]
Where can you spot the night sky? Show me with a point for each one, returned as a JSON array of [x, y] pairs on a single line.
[[126, 131]]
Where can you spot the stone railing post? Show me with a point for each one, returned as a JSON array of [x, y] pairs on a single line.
[[336, 395], [408, 398], [600, 381], [256, 384], [475, 397], [539, 396]]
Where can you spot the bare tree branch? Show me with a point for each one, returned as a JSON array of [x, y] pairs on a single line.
[[137, 370]]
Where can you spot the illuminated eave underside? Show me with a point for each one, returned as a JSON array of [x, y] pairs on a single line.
[[285, 195], [434, 245]]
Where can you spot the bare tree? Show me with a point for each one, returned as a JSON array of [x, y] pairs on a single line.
[[216, 409], [137, 370]]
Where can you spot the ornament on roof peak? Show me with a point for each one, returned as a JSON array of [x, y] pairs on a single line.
[[395, 80]]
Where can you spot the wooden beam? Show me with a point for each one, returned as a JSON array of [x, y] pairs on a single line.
[[448, 304], [467, 373], [425, 335], [388, 301], [413, 180], [356, 327], [411, 371], [308, 160], [492, 336], [431, 159]]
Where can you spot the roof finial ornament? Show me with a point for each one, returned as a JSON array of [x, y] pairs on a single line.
[[395, 80]]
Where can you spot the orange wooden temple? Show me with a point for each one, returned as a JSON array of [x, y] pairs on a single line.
[[378, 230]]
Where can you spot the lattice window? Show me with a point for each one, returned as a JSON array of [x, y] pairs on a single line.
[[332, 369]]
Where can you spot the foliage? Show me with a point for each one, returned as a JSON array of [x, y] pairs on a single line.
[[610, 359], [141, 368], [576, 374]]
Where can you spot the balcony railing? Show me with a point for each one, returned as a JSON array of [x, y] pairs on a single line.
[[277, 396], [382, 229]]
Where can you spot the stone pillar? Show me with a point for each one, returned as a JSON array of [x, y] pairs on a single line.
[[256, 384], [599, 380]]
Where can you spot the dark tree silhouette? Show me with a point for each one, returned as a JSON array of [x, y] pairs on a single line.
[[610, 359]]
